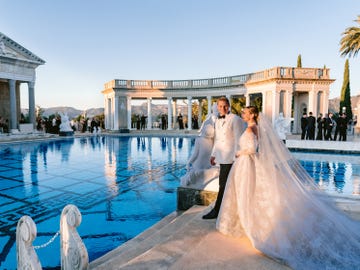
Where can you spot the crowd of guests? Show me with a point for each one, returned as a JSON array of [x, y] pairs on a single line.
[[52, 125], [139, 122], [327, 128]]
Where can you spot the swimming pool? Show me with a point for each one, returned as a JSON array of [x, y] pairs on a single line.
[[121, 185]]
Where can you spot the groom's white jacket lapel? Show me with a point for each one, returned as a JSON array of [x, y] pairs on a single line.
[[227, 133]]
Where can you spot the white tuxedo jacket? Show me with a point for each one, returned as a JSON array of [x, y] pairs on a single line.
[[227, 135]]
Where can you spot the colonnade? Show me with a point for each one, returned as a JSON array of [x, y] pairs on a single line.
[[17, 66], [15, 110], [286, 90]]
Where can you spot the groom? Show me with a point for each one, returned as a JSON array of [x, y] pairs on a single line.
[[228, 128]]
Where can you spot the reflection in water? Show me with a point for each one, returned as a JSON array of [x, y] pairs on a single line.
[[122, 185]]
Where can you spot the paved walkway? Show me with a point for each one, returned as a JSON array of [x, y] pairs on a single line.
[[187, 241]]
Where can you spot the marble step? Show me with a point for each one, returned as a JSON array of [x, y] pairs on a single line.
[[145, 241], [184, 237]]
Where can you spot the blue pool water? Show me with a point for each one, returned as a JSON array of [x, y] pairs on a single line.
[[121, 185]]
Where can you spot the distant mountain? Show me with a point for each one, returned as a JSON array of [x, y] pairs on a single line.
[[72, 112], [334, 104]]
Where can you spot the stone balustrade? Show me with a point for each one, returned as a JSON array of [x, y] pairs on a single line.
[[268, 74]]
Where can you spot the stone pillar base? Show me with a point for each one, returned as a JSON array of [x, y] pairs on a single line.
[[66, 133], [188, 197]]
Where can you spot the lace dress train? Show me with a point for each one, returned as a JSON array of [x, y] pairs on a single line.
[[272, 203]]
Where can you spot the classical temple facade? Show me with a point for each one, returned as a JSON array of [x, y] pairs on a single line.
[[282, 90], [17, 66]]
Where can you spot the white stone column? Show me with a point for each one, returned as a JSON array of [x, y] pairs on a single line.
[[209, 105], [170, 114], [149, 118], [288, 101], [200, 112], [189, 122], [275, 105], [116, 113], [264, 105], [325, 102], [312, 103], [128, 105], [229, 99], [31, 90], [13, 110], [297, 114], [247, 100]]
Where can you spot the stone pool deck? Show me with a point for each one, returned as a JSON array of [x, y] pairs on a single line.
[[186, 241]]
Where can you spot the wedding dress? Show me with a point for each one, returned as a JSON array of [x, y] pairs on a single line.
[[271, 199]]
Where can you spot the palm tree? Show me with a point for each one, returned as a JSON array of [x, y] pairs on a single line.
[[350, 42]]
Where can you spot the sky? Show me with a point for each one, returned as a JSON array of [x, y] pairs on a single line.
[[87, 43]]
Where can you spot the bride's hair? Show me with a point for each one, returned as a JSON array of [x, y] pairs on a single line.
[[254, 110]]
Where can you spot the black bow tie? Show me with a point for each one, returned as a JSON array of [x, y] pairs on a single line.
[[221, 117]]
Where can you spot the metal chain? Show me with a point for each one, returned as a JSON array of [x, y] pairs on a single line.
[[49, 242]]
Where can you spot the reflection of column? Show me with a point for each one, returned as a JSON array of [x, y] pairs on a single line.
[[149, 123], [32, 103], [174, 112], [169, 118], [128, 99], [149, 139], [189, 112], [13, 111], [209, 105]]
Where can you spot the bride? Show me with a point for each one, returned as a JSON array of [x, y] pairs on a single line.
[[271, 199]]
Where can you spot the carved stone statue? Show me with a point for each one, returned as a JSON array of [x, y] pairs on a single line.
[[282, 126], [73, 251], [25, 235], [65, 126], [200, 174]]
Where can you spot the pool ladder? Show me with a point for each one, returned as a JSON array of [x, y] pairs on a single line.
[[73, 251]]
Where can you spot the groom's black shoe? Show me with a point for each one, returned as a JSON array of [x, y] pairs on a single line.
[[211, 215]]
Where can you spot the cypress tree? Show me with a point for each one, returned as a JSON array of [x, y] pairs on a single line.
[[299, 64], [345, 98]]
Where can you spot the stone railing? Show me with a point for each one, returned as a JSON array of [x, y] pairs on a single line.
[[268, 74], [73, 251]]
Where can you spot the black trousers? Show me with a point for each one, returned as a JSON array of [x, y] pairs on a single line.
[[223, 176]]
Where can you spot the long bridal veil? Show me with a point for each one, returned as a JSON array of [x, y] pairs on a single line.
[[294, 220]]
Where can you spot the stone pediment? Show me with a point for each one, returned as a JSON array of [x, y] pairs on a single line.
[[11, 49]]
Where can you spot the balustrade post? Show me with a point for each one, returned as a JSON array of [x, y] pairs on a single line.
[[73, 251], [25, 253]]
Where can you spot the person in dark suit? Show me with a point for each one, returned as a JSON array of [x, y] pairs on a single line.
[[342, 124], [303, 125], [328, 127], [320, 127], [310, 127]]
